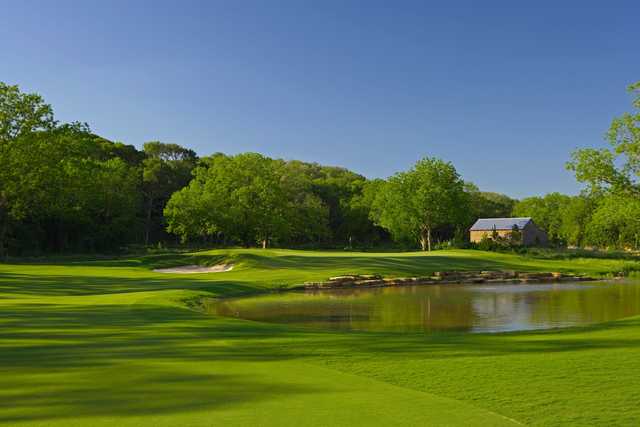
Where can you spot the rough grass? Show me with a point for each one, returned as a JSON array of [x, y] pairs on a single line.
[[110, 342]]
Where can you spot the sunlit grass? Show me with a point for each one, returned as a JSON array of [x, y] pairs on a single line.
[[110, 342]]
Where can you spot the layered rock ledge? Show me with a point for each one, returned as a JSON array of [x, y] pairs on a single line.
[[442, 278]]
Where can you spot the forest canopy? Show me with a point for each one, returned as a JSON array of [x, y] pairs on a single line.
[[65, 189]]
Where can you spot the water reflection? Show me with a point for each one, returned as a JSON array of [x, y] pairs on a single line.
[[470, 308]]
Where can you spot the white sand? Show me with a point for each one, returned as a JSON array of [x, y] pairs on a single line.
[[192, 269]]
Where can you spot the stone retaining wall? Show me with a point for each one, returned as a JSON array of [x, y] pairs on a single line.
[[441, 278]]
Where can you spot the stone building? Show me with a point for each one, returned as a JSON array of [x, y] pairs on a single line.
[[531, 235]]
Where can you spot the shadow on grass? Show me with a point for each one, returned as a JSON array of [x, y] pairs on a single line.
[[88, 336], [260, 273], [66, 359], [12, 284], [63, 360], [314, 260]]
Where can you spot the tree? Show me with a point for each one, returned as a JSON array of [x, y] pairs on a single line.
[[615, 223], [615, 169], [309, 215], [166, 169], [612, 175], [63, 191], [357, 224], [545, 211], [575, 217], [485, 204], [412, 204], [21, 113], [246, 198]]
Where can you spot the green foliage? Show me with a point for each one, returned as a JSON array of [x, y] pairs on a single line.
[[22, 113], [546, 212], [617, 168], [487, 204], [166, 169], [247, 198], [67, 191], [63, 188], [575, 218], [412, 204], [495, 242], [615, 223], [608, 217]]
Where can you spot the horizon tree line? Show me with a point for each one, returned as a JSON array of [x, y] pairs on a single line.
[[65, 189]]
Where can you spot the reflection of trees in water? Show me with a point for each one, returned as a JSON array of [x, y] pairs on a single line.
[[493, 310], [430, 308], [598, 303], [444, 307], [555, 306]]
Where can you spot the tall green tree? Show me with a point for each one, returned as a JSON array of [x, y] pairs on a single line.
[[166, 169], [21, 113], [615, 223], [575, 217], [612, 175], [246, 198], [63, 192], [414, 203], [614, 169]]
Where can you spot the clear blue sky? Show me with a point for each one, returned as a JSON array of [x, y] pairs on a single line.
[[505, 90]]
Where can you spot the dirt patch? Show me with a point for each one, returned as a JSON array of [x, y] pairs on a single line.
[[194, 269]]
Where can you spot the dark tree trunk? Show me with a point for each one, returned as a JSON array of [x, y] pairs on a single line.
[[3, 233], [147, 225]]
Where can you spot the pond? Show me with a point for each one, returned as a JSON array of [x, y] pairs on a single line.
[[439, 308]]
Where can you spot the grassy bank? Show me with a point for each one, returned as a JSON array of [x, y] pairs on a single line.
[[110, 342]]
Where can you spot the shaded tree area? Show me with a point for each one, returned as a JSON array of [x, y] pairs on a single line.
[[251, 199], [166, 168], [65, 189]]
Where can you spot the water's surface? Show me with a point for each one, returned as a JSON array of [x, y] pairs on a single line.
[[470, 308]]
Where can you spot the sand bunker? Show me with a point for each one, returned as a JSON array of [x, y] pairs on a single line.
[[192, 269]]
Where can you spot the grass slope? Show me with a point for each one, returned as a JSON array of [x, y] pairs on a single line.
[[110, 342]]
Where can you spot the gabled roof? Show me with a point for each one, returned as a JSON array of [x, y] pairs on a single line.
[[499, 223]]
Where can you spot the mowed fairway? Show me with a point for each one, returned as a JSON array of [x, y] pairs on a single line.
[[110, 342]]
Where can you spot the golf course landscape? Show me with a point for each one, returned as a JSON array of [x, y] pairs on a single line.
[[108, 341], [319, 214]]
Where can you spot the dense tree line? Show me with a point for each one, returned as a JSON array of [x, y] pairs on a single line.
[[607, 213], [64, 188]]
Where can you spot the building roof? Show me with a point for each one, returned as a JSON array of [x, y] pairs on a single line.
[[500, 223]]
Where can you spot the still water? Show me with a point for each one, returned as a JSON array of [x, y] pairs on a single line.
[[466, 308]]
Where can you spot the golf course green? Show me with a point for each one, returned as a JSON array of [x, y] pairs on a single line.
[[108, 341]]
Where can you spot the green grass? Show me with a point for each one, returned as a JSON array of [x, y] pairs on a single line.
[[110, 342]]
